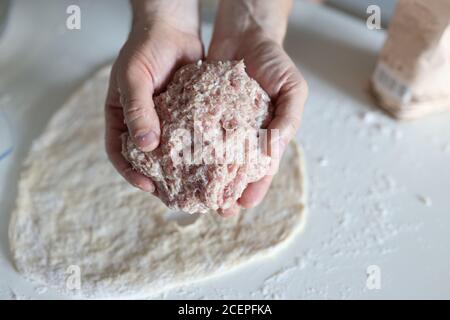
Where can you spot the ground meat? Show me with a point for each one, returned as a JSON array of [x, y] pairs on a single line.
[[218, 102]]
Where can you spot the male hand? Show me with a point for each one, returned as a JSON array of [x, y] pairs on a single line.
[[165, 35], [254, 31]]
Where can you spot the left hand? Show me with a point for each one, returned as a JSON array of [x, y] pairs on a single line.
[[271, 67]]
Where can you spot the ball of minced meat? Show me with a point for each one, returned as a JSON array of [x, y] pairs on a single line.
[[214, 101]]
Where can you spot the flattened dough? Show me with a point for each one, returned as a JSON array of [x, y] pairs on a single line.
[[74, 209]]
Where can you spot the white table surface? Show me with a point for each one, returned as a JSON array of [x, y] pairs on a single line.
[[379, 190]]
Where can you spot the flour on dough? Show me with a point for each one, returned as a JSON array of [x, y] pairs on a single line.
[[73, 209]]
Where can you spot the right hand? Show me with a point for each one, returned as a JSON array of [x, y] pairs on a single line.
[[154, 50]]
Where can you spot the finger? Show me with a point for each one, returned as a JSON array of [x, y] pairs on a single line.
[[282, 128], [232, 211], [255, 192], [136, 96], [287, 114], [114, 149], [114, 128]]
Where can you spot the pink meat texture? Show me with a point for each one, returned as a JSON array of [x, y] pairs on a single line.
[[216, 101]]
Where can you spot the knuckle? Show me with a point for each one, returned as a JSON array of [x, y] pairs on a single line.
[[285, 140], [128, 175], [133, 110], [303, 86], [134, 64], [291, 126], [112, 154], [108, 149]]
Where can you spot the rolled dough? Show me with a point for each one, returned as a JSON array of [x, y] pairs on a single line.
[[73, 209]]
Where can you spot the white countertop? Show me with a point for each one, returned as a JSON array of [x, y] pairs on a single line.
[[379, 190]]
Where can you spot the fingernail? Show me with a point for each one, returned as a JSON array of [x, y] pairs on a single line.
[[147, 141], [251, 203], [147, 187], [151, 188]]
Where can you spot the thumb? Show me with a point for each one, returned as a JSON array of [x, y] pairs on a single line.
[[136, 97]]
